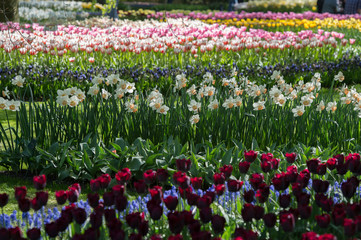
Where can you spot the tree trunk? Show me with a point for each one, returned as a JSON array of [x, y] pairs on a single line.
[[9, 10]]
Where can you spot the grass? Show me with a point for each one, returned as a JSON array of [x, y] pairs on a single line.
[[10, 180]]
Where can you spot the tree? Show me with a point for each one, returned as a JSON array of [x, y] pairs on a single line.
[[9, 10]]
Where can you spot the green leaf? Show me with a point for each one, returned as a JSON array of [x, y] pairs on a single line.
[[135, 163], [227, 157]]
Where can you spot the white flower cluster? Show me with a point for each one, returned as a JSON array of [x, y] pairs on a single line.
[[18, 81], [156, 102], [56, 5], [70, 97], [9, 104]]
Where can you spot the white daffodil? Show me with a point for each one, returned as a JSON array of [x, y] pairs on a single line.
[[163, 109], [229, 103], [275, 92], [6, 93], [339, 77], [80, 94], [321, 106], [3, 103], [97, 80], [281, 100], [331, 106], [258, 106], [192, 90], [63, 100], [194, 119], [130, 106], [214, 104], [194, 106], [113, 79], [298, 111], [119, 93], [306, 101], [18, 81], [13, 105], [105, 94], [156, 103], [73, 101], [93, 90]]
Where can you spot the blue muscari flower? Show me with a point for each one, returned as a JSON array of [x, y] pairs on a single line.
[[13, 216]]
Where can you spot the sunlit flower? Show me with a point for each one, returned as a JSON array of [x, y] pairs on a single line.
[[73, 101], [209, 91], [80, 94], [163, 109], [275, 92], [3, 103], [18, 81], [339, 77], [194, 106], [276, 75], [97, 80], [208, 78], [331, 106], [306, 101], [298, 111], [194, 119], [347, 99], [93, 90], [112, 79], [6, 93], [105, 94], [13, 105], [257, 106], [119, 93], [192, 90], [156, 103], [321, 106], [130, 106], [62, 100], [238, 101], [62, 93], [229, 103], [213, 104], [280, 100]]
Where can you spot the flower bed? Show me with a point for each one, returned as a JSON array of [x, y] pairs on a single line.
[[287, 199]]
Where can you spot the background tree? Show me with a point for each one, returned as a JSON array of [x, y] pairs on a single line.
[[9, 10]]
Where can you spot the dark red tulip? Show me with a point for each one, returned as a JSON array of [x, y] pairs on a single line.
[[258, 212], [234, 185], [4, 198], [162, 175], [39, 182], [331, 163], [248, 196], [290, 157], [79, 215], [91, 233], [204, 201], [171, 202], [266, 166], [184, 181], [123, 176], [348, 189], [211, 194], [134, 219], [305, 211], [118, 190], [156, 193], [226, 170], [35, 204], [320, 186], [266, 157], [338, 214], [202, 235], [4, 234], [109, 198], [285, 200], [93, 199], [33, 233], [241, 233], [291, 174], [155, 210], [192, 199], [61, 197], [15, 233], [183, 165], [121, 203], [150, 176], [287, 222], [156, 237], [349, 227], [309, 236], [270, 220], [303, 198], [250, 156], [256, 180], [109, 214], [313, 164], [275, 163], [244, 167], [341, 169], [321, 169], [176, 237], [176, 222], [353, 210], [51, 229], [194, 226], [327, 236], [143, 228], [183, 192], [205, 214], [219, 189], [219, 178], [96, 219], [20, 192], [323, 220], [187, 217], [135, 236], [247, 212], [104, 180], [73, 194], [281, 181], [24, 205], [218, 222], [197, 182], [140, 186]]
